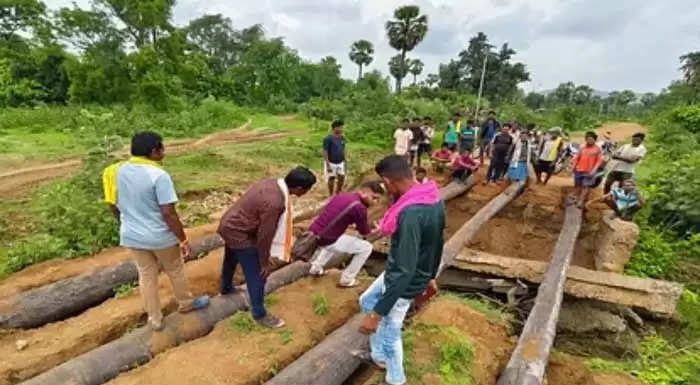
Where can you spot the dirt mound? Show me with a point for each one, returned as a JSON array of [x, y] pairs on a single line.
[[233, 355], [55, 270], [58, 342]]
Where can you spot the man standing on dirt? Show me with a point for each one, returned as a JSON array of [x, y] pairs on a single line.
[[342, 211], [249, 229], [426, 146], [627, 157], [502, 144], [547, 153], [585, 165], [142, 197], [417, 138], [415, 223], [403, 137], [488, 131], [334, 157], [451, 137]]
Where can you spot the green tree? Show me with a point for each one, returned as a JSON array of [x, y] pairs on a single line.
[[648, 99], [214, 36], [535, 100], [84, 29], [145, 21], [361, 53], [564, 93], [405, 32], [582, 94], [415, 67], [690, 65], [19, 15], [398, 69], [432, 79]]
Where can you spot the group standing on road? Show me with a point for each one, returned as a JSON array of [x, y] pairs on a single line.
[[258, 233]]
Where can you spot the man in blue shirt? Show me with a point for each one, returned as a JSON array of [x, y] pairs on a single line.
[[334, 158], [142, 198]]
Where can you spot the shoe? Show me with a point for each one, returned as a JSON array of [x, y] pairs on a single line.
[[199, 303], [270, 321], [317, 271], [353, 283], [366, 357]]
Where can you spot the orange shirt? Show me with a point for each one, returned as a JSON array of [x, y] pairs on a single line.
[[588, 159]]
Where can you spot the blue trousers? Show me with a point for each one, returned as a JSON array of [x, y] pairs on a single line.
[[250, 262]]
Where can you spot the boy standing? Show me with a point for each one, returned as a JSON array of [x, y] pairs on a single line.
[[547, 154], [417, 138], [585, 165], [142, 198], [467, 136], [627, 157], [489, 130], [426, 146], [451, 133], [403, 137], [334, 157], [501, 145]]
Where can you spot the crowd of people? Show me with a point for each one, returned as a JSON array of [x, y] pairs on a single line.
[[258, 234]]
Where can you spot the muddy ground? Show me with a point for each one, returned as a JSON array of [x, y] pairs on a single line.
[[231, 356]]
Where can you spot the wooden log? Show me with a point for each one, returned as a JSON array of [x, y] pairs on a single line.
[[330, 362], [140, 346], [71, 296], [455, 189], [66, 298], [653, 296], [529, 360]]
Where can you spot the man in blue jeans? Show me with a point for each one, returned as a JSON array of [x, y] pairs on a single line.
[[248, 229], [415, 223]]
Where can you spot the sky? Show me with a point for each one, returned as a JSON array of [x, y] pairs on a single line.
[[607, 44]]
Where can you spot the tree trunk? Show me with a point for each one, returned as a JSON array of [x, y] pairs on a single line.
[[529, 359], [140, 346], [330, 362], [359, 76], [71, 296]]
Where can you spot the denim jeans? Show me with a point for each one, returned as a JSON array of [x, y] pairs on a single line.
[[249, 260], [497, 169], [385, 343]]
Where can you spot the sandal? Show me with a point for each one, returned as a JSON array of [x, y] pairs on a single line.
[[352, 284]]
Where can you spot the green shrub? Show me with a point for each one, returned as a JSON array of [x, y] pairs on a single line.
[[319, 302]]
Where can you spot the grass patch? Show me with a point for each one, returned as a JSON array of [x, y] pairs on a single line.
[[243, 323], [286, 335], [271, 299], [125, 290], [437, 351], [320, 304]]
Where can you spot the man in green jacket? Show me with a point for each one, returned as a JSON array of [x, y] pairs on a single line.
[[415, 223]]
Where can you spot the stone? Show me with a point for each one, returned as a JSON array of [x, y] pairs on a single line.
[[584, 317], [616, 240], [21, 344]]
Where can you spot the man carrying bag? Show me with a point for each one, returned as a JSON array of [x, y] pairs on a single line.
[[327, 232]]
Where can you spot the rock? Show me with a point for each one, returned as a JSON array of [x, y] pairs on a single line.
[[21, 344], [616, 241], [584, 317]]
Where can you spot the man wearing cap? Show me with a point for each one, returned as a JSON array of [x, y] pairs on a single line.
[[547, 154]]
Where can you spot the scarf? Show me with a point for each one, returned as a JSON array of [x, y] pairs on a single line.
[[420, 194], [281, 247], [518, 150], [109, 176]]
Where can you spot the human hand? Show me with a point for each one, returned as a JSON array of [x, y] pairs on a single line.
[[185, 250], [370, 323]]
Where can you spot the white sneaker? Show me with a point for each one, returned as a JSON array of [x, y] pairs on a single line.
[[317, 271]]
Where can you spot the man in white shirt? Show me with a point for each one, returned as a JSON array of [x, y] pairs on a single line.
[[627, 158], [403, 137]]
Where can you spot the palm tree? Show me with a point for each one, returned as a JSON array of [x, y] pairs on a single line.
[[398, 67], [415, 67], [361, 53], [405, 32]]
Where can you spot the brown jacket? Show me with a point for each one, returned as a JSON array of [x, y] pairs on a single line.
[[252, 220]]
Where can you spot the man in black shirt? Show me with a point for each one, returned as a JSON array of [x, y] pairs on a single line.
[[501, 145], [334, 157], [418, 137]]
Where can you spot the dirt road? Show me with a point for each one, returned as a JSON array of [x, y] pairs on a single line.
[[16, 183], [619, 131]]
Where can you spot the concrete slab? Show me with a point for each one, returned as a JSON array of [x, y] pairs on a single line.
[[656, 296]]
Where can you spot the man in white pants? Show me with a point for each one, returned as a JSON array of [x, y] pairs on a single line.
[[342, 211]]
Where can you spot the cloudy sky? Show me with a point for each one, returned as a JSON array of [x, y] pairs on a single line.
[[608, 44]]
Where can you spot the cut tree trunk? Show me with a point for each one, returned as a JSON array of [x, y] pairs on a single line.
[[330, 362], [140, 346], [71, 296], [66, 298], [529, 359]]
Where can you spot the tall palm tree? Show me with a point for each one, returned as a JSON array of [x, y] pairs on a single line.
[[398, 67], [405, 32], [361, 53], [691, 67], [415, 67]]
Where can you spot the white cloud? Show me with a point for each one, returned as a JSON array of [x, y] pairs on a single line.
[[606, 44]]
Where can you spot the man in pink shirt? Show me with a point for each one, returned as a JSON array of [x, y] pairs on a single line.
[[463, 166]]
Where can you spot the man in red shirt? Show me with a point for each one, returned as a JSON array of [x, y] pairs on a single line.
[[585, 165], [463, 166]]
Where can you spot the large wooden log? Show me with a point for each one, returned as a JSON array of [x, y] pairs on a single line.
[[71, 296], [66, 298], [140, 346], [529, 360], [652, 295], [330, 362]]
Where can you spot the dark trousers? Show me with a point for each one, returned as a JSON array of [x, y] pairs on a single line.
[[250, 262], [497, 168]]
